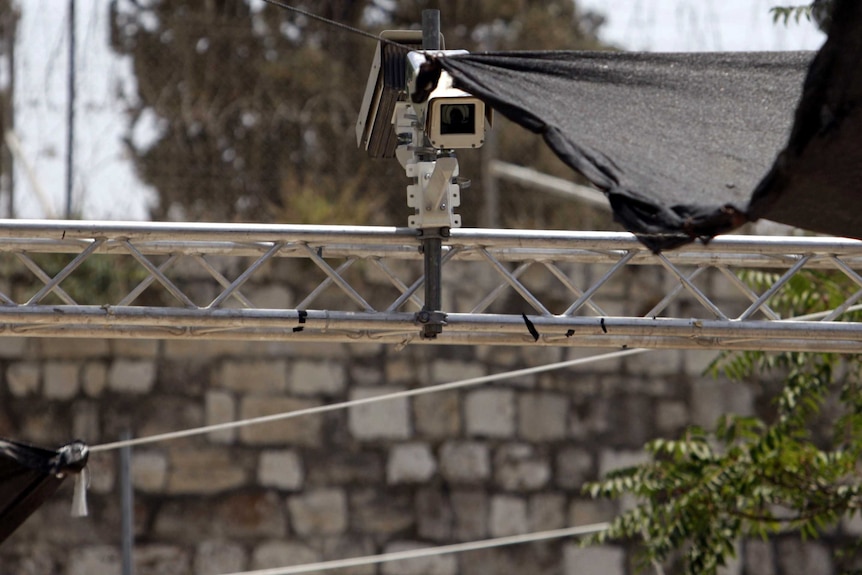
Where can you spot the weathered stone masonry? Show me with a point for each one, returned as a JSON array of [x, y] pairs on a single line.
[[489, 461]]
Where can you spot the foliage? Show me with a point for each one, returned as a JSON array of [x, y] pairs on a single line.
[[796, 469], [246, 112], [820, 11], [784, 14]]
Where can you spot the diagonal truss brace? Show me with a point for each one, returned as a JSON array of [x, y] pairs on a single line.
[[578, 289]]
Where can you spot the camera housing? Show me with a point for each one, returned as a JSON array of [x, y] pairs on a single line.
[[451, 118]]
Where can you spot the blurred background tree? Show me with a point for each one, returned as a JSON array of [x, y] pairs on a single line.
[[254, 107]]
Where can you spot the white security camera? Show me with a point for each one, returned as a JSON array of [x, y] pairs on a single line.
[[451, 118]]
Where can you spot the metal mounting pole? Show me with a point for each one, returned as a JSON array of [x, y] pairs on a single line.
[[127, 508], [432, 243]]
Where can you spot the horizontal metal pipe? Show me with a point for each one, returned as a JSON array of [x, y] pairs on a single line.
[[54, 230], [590, 251], [412, 337], [754, 332]]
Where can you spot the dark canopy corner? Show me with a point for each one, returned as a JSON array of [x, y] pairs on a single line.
[[678, 142], [30, 475]]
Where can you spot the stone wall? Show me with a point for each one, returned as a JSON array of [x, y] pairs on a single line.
[[495, 460]]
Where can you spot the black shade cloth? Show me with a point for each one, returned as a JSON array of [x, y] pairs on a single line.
[[679, 142], [30, 475]]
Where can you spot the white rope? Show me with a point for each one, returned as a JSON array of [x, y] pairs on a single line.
[[431, 551], [365, 401]]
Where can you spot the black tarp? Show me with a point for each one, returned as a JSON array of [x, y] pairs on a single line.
[[680, 142], [30, 475]]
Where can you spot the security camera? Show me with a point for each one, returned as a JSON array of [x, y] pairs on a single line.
[[452, 118], [386, 86]]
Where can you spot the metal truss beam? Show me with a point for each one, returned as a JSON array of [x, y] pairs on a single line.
[[363, 284]]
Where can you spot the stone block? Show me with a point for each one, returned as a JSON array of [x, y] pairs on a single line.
[[388, 419], [432, 565], [13, 347], [470, 510], [313, 350], [803, 558], [611, 460], [60, 380], [490, 413], [203, 471], [434, 515], [589, 511], [519, 467], [94, 378], [103, 472], [161, 560], [220, 407], [733, 565], [316, 378], [654, 364], [400, 371], [270, 297], [852, 525], [696, 362], [85, 421], [588, 367], [365, 374], [350, 545], [135, 348], [713, 398], [258, 376], [275, 554], [465, 462], [74, 348], [546, 511], [632, 422], [543, 416], [445, 370], [132, 376], [671, 416], [23, 378], [367, 351], [281, 469], [149, 471], [599, 560], [95, 559], [201, 351], [410, 463], [508, 516], [214, 557], [759, 559], [438, 415], [377, 512], [541, 355], [574, 467], [318, 512], [251, 515], [344, 468], [304, 431]]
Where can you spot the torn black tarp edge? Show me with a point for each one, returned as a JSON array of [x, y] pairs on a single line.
[[828, 99], [29, 475], [658, 226]]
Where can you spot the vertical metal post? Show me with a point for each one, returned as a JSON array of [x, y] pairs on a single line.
[[430, 29], [127, 509], [10, 33], [432, 243], [70, 110], [490, 184]]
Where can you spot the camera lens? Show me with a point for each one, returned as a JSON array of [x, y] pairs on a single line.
[[457, 119]]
